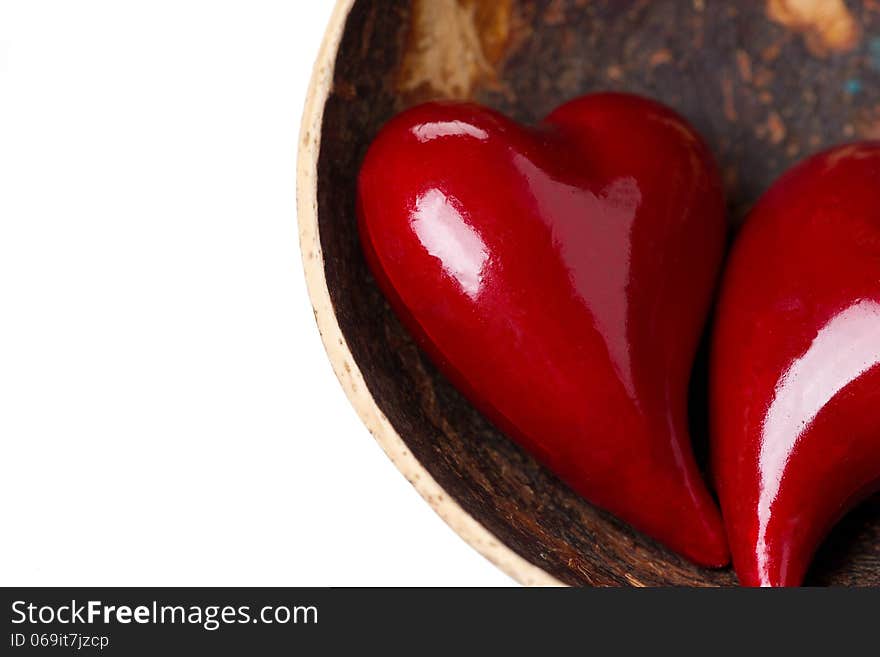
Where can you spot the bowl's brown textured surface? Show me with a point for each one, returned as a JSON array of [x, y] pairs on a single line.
[[767, 83]]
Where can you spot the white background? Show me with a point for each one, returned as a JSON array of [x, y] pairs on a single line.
[[167, 412]]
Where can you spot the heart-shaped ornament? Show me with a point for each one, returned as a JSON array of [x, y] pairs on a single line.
[[560, 277], [796, 364]]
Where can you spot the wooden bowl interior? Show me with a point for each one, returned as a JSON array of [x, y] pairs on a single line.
[[765, 87]]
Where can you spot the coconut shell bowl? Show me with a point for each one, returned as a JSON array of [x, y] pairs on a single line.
[[766, 83]]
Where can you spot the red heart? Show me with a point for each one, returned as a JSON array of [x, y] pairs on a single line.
[[560, 276], [795, 378]]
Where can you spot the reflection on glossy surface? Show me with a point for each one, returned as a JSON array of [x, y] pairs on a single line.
[[598, 270], [796, 365], [560, 277], [426, 132], [843, 350], [443, 232]]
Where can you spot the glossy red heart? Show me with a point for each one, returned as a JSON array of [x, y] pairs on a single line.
[[560, 277], [795, 376]]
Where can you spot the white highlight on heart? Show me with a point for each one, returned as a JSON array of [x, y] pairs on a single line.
[[426, 132], [443, 232], [844, 349]]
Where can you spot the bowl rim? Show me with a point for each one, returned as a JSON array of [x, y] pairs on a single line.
[[341, 358]]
